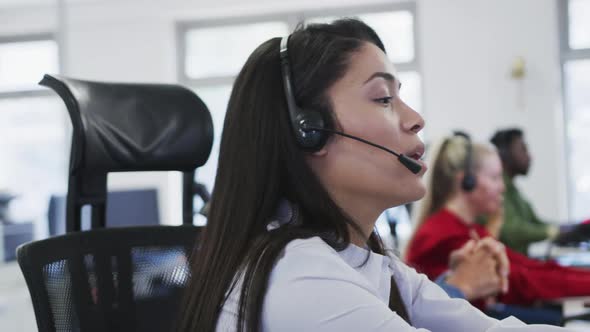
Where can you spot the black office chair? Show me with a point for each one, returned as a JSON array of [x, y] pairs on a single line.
[[119, 279]]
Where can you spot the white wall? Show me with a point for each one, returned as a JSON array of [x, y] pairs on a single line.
[[466, 47]]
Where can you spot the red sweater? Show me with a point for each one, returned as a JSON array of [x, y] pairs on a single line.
[[529, 279]]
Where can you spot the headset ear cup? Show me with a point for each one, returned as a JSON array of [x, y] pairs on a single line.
[[468, 183], [308, 140], [311, 140]]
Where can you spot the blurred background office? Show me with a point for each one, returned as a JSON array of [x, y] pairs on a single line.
[[478, 65]]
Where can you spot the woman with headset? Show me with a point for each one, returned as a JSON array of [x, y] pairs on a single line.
[[466, 183], [305, 168]]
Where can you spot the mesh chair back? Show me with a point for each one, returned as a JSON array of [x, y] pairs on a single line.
[[123, 279]]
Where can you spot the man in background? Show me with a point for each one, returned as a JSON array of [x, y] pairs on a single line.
[[521, 225]]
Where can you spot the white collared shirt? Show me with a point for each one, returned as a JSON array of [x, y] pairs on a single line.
[[315, 288]]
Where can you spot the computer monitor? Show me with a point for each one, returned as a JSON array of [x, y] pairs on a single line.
[[138, 207]]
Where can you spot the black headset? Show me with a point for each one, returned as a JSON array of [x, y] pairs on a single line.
[[469, 180], [301, 120], [309, 126]]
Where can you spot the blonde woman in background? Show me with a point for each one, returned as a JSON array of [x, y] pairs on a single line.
[[466, 183]]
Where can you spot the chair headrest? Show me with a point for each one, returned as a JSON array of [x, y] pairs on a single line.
[[134, 127]]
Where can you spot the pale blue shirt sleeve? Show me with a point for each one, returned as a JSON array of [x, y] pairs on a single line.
[[451, 290]]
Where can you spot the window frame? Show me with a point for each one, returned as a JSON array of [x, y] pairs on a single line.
[[567, 54], [292, 19], [40, 221]]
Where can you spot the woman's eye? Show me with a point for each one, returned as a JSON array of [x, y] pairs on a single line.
[[385, 101]]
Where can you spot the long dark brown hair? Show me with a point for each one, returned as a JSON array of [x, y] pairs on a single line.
[[259, 164]]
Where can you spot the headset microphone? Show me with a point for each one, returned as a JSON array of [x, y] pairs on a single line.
[[408, 162]]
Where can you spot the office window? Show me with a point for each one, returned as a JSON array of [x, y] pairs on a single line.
[[32, 128], [575, 55], [579, 24], [22, 61], [206, 57], [210, 67]]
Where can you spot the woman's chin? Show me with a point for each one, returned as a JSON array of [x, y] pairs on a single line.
[[415, 194], [419, 192]]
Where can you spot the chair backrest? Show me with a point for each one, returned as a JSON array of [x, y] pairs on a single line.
[[122, 127], [119, 279], [115, 279]]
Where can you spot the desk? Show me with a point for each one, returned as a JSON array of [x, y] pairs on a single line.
[[565, 256], [575, 306], [575, 312]]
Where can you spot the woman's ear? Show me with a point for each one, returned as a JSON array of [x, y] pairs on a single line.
[[317, 160], [320, 153]]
